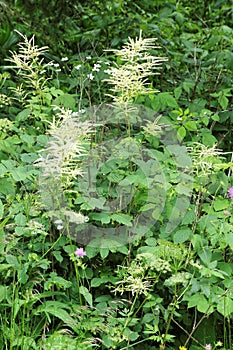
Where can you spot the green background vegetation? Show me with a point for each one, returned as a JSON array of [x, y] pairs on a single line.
[[165, 289]]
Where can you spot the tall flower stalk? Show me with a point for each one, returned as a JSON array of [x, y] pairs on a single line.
[[60, 162], [130, 78]]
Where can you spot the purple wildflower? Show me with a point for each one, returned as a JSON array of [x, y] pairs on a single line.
[[230, 192], [80, 252], [208, 347]]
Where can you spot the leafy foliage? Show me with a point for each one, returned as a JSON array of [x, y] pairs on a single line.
[[97, 150]]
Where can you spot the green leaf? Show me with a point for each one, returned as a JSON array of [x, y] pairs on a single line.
[[23, 115], [19, 174], [191, 125], [87, 296], [58, 255], [178, 92], [163, 100], [58, 281], [56, 309], [198, 301], [91, 251], [181, 133], [104, 218], [208, 139], [1, 210], [7, 187], [223, 101], [229, 239], [65, 100], [12, 260], [121, 218], [225, 306], [104, 252], [206, 256], [96, 282], [220, 204], [182, 236], [3, 292]]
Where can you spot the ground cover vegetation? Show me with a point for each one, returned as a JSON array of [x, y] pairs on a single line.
[[116, 175]]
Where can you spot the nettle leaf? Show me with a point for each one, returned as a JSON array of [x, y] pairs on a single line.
[[121, 218]]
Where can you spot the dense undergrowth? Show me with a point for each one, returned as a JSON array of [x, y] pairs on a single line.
[[116, 175]]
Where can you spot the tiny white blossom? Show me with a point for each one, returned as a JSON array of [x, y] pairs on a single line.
[[59, 221], [78, 66], [75, 114], [90, 76], [108, 71], [96, 67], [88, 58], [64, 59], [56, 64], [82, 111], [60, 227]]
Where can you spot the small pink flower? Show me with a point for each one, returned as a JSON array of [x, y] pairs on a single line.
[[208, 347], [80, 252], [230, 192]]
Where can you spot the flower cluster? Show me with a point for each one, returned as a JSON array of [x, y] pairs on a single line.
[[129, 80], [230, 192], [80, 252]]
